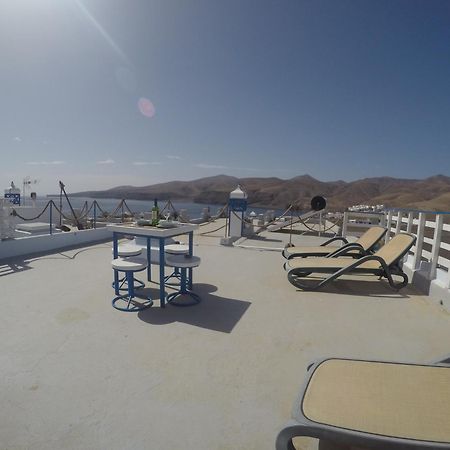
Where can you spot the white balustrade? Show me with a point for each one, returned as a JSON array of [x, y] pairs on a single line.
[[432, 233]]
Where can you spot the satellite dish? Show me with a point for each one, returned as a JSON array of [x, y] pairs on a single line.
[[318, 203]]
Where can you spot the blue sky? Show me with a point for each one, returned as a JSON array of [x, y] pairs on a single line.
[[100, 93]]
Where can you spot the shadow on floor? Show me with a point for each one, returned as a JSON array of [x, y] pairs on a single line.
[[16, 264], [10, 267], [263, 239], [213, 312], [361, 288]]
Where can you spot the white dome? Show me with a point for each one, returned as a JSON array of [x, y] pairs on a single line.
[[238, 193]]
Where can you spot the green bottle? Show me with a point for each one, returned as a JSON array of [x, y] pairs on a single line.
[[155, 213]]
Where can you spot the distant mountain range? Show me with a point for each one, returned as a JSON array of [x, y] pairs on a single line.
[[429, 194]]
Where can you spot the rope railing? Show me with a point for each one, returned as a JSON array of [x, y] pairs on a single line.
[[314, 230], [271, 222], [217, 216], [123, 208], [170, 207], [16, 214]]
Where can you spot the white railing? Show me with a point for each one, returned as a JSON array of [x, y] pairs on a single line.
[[431, 252]]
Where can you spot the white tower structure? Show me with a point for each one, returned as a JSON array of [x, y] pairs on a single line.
[[237, 205]]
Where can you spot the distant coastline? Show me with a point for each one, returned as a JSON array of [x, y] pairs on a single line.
[[432, 193]]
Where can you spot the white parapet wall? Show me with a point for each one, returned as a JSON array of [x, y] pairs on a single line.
[[28, 245]]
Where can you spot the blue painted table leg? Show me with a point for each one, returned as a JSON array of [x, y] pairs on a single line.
[[183, 281], [149, 260], [130, 281], [115, 255], [162, 290], [191, 252]]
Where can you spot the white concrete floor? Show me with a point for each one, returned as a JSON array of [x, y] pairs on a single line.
[[77, 374]]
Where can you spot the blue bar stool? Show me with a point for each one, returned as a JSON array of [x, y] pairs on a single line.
[[182, 263], [125, 251], [129, 266], [175, 249]]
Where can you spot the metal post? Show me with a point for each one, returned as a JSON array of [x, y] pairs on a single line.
[[95, 214], [320, 223], [60, 207], [51, 214], [290, 231], [345, 224]]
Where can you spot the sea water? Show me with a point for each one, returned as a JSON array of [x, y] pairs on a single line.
[[194, 210]]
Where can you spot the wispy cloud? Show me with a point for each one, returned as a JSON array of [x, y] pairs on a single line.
[[174, 157], [46, 163], [106, 161], [17, 139], [146, 163], [210, 166]]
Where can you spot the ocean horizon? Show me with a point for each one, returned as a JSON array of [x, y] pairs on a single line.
[[194, 210]]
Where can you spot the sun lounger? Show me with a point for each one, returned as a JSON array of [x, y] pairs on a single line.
[[363, 246], [372, 404], [385, 263]]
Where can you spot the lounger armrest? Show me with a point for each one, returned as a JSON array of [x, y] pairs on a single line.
[[346, 249], [336, 238], [291, 430]]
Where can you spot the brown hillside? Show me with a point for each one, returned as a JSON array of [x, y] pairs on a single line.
[[431, 194]]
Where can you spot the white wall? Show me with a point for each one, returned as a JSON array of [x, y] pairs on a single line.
[[38, 244]]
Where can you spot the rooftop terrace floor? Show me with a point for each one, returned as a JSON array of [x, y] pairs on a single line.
[[78, 374]]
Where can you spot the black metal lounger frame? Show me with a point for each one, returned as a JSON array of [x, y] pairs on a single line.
[[385, 271], [347, 247]]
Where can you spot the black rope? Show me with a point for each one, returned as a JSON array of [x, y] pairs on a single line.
[[16, 214]]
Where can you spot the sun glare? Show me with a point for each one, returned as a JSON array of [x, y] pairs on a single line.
[[146, 107]]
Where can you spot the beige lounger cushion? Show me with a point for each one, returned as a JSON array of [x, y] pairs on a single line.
[[396, 400], [371, 236], [367, 240], [389, 252], [396, 246]]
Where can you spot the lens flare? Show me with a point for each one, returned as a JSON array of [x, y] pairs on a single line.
[[146, 107]]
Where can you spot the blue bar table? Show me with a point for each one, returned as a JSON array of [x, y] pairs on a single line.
[[160, 234]]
